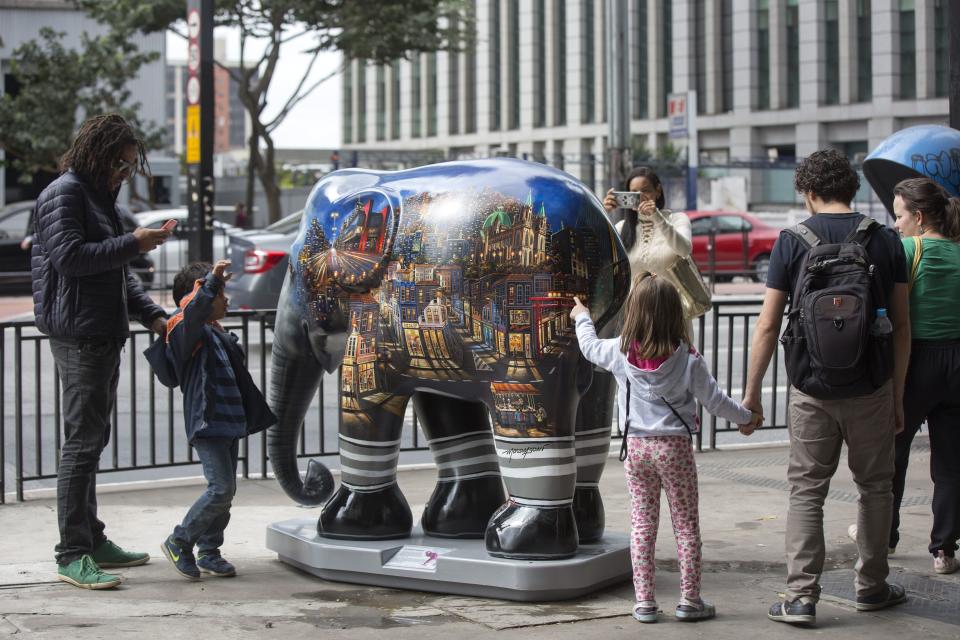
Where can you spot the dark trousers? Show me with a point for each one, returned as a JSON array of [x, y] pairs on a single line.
[[208, 517], [89, 371], [933, 392]]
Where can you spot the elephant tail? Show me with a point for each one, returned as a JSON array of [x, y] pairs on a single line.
[[295, 377]]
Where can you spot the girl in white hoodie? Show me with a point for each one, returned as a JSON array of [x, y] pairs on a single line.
[[660, 378]]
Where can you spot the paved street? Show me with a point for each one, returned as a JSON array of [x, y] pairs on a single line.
[[743, 500]]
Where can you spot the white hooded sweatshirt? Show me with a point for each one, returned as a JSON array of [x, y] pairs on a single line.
[[681, 380]]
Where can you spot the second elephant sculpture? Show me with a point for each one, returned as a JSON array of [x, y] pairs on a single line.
[[450, 285]]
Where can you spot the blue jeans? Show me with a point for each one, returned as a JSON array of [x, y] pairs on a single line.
[[206, 520]]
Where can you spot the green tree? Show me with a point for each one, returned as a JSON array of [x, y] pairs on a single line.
[[379, 31], [59, 85]]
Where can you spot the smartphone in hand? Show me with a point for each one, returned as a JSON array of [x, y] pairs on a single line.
[[627, 199], [169, 225]]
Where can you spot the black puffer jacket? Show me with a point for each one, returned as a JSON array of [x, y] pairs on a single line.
[[81, 285]]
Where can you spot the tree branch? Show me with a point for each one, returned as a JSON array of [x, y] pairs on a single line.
[[303, 80], [294, 99]]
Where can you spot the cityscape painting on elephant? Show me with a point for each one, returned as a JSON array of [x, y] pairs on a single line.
[[476, 288], [449, 286]]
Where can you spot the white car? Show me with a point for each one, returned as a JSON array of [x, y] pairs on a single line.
[[172, 255]]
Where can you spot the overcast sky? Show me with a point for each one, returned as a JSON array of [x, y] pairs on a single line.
[[315, 121]]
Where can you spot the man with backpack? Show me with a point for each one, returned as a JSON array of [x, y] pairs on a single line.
[[846, 346]]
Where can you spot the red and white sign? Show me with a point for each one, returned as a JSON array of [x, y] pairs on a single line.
[[193, 24], [677, 115]]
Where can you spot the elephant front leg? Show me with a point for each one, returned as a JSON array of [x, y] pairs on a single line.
[[368, 504], [594, 417], [537, 522], [469, 488]]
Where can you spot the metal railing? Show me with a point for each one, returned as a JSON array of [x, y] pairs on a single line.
[[147, 425]]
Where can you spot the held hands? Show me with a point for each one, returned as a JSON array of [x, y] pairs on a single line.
[[756, 421], [578, 308], [150, 239], [159, 326], [220, 270]]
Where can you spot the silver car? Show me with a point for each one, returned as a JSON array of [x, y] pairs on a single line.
[[171, 256], [259, 263]]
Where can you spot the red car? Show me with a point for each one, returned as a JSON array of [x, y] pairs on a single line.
[[731, 243]]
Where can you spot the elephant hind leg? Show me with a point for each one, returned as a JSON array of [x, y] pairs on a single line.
[[594, 417], [469, 488]]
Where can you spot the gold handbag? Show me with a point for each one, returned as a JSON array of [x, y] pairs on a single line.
[[694, 294]]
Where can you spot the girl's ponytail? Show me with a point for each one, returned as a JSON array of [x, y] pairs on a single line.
[[951, 219]]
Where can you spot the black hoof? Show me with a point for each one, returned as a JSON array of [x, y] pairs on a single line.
[[361, 515], [588, 511], [532, 533], [462, 508]]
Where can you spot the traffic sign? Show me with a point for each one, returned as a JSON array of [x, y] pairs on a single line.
[[193, 134], [193, 90], [193, 24], [193, 57], [677, 115]]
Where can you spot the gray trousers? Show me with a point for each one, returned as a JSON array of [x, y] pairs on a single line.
[[818, 429], [89, 371]]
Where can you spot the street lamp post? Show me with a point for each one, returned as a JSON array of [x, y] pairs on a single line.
[[199, 147], [618, 93], [953, 29]]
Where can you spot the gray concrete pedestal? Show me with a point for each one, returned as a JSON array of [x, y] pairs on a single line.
[[445, 565]]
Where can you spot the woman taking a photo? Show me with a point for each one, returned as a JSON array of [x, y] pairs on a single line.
[[653, 236]]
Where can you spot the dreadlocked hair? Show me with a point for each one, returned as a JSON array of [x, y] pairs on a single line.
[[97, 146]]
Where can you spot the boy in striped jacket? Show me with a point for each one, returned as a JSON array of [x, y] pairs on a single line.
[[221, 405]]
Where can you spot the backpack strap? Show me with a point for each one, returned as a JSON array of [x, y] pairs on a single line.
[[864, 231], [626, 426], [679, 417], [804, 234], [917, 255]]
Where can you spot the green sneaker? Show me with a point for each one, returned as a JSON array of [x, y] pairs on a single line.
[[108, 555], [84, 573]]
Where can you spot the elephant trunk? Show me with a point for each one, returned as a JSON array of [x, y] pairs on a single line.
[[295, 377]]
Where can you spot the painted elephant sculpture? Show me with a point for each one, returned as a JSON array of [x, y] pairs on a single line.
[[450, 285]]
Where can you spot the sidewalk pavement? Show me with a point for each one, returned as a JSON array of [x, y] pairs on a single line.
[[743, 503]]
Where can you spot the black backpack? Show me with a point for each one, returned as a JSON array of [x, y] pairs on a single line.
[[830, 351]]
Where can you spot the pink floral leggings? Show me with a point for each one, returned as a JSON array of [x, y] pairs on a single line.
[[651, 463]]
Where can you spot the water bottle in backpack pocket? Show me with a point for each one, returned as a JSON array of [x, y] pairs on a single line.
[[881, 348]]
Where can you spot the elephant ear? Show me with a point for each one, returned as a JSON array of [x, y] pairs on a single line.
[[352, 247]]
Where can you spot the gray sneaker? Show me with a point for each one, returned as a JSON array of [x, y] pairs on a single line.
[[893, 594], [796, 612]]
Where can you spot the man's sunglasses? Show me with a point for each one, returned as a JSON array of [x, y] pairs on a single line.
[[125, 166]]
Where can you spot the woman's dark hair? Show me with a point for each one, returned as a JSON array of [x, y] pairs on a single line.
[[827, 174], [653, 317], [940, 211], [628, 232], [98, 145]]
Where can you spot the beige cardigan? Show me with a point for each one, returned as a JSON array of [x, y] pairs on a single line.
[[659, 242]]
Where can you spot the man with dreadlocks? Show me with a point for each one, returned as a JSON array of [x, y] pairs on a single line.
[[83, 295]]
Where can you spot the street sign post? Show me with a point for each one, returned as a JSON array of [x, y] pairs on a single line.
[[199, 130], [682, 118]]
